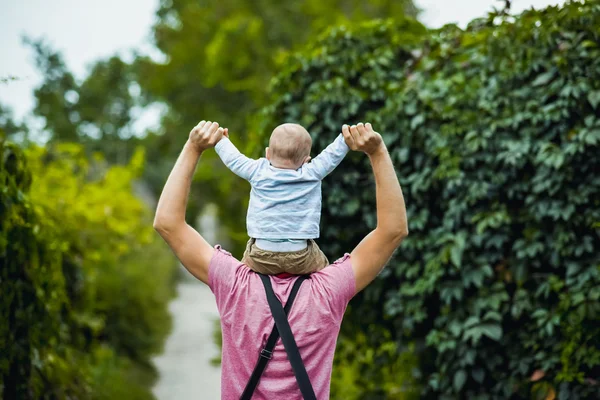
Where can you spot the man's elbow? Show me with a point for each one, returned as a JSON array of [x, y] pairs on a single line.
[[397, 234], [162, 224], [158, 225], [401, 234]]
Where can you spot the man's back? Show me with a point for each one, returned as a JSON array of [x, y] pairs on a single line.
[[246, 322]]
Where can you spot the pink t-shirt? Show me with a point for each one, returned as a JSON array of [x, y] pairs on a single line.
[[246, 322]]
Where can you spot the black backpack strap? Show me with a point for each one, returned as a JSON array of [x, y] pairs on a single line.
[[267, 352], [289, 343]]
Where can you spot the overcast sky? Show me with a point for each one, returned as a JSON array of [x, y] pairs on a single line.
[[88, 30]]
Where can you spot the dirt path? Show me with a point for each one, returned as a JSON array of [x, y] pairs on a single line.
[[184, 367]]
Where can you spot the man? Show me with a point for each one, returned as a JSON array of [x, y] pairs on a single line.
[[318, 309]]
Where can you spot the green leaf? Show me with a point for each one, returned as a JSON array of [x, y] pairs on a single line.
[[456, 252], [352, 206], [493, 331], [478, 374], [492, 315], [473, 334], [471, 321], [417, 121], [456, 255], [455, 328], [588, 43], [594, 98], [543, 79], [460, 377]]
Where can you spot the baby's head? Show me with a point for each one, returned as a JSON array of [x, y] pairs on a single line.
[[289, 146]]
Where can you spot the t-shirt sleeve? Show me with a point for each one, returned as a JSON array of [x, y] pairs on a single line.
[[337, 285], [222, 275]]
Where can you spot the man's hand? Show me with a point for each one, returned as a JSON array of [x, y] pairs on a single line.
[[362, 138], [206, 135]]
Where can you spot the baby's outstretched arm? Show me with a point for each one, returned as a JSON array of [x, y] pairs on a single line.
[[238, 163], [328, 159]]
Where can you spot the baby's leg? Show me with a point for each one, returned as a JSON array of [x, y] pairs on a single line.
[[306, 261], [261, 261], [315, 259]]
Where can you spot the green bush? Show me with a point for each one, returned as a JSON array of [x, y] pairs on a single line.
[[494, 132], [366, 370], [85, 282]]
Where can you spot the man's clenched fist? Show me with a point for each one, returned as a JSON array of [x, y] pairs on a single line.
[[362, 138], [206, 135]]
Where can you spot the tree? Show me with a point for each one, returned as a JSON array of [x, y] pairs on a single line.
[[494, 132], [219, 58], [220, 55], [15, 131], [97, 112], [81, 315]]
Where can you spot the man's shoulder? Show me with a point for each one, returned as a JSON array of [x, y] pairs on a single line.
[[336, 284], [223, 267], [338, 272]]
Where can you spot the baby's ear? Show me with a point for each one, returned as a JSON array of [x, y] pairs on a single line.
[[307, 159], [267, 155]]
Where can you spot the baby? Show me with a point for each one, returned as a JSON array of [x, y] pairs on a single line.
[[285, 199]]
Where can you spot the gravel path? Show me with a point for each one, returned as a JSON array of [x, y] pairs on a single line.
[[184, 367]]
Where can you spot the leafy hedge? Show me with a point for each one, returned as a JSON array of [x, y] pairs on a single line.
[[85, 283], [494, 132]]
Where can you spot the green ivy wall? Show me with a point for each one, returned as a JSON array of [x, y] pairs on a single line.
[[495, 133]]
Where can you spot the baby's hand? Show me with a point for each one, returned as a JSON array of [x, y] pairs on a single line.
[[362, 138]]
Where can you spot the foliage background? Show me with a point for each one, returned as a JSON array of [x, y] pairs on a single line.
[[81, 313], [493, 131], [219, 67]]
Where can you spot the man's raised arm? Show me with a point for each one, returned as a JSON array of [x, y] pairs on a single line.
[[189, 246], [375, 250]]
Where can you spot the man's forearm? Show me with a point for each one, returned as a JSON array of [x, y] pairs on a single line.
[[391, 210], [173, 200]]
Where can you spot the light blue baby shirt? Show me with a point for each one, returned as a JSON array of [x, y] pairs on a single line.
[[284, 203]]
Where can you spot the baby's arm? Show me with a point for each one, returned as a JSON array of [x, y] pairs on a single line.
[[238, 163], [331, 157]]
